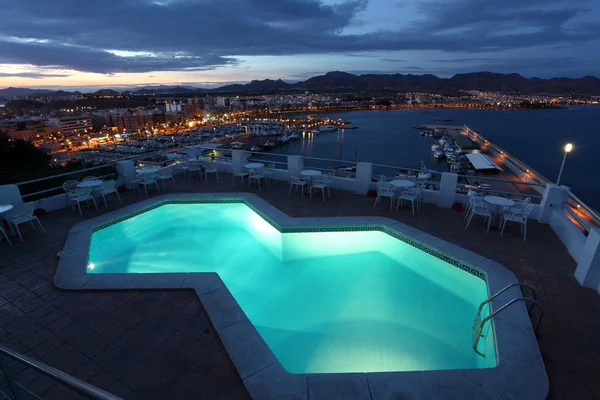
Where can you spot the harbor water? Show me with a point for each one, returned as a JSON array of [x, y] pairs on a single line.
[[536, 137]]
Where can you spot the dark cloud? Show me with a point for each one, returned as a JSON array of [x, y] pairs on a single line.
[[34, 75], [205, 34]]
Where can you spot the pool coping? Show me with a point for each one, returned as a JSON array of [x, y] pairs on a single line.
[[520, 373]]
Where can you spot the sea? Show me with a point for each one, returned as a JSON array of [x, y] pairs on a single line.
[[536, 137]]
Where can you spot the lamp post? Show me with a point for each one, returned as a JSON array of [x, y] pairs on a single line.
[[568, 148]]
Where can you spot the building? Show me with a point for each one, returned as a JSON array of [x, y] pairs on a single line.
[[71, 125], [26, 129], [173, 107], [222, 101]]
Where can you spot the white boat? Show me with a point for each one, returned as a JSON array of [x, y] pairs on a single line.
[[435, 147], [328, 128], [255, 148], [424, 175], [315, 131], [438, 154], [294, 136], [443, 141]]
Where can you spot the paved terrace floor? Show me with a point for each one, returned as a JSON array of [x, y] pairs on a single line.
[[160, 344]]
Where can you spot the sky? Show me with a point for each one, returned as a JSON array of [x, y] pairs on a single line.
[[87, 44]]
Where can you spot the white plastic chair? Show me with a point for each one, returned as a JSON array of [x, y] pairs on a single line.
[[297, 182], [210, 168], [408, 195], [165, 174], [385, 189], [80, 195], [107, 188], [239, 172], [194, 166], [70, 185], [482, 210], [4, 234], [519, 205], [519, 217], [257, 175], [19, 215], [474, 200], [418, 190], [320, 184], [149, 180], [269, 173]]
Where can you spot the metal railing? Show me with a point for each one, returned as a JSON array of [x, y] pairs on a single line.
[[8, 356], [581, 214]]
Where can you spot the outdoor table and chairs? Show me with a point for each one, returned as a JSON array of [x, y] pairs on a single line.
[[496, 206]]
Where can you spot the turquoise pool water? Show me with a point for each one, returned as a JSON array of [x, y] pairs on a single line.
[[323, 302]]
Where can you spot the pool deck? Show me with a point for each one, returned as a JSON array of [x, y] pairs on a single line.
[[72, 330]]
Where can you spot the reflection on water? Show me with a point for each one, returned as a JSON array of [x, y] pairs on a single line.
[[534, 136]]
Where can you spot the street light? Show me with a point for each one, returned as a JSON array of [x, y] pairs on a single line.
[[568, 148]]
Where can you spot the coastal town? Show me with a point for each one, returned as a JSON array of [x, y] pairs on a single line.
[[100, 127]]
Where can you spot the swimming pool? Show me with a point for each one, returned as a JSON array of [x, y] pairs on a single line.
[[325, 300]]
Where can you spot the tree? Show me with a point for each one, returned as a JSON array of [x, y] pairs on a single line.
[[19, 154]]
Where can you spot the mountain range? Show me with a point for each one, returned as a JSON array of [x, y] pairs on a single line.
[[344, 81]]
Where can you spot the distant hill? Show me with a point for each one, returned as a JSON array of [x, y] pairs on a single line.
[[486, 81], [344, 81], [18, 92], [267, 84]]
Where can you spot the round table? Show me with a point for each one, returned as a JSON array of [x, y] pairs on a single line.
[[255, 165], [89, 184], [401, 184], [311, 173], [496, 202], [148, 171]]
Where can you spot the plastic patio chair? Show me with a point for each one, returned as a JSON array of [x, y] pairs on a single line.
[[482, 210], [148, 180], [408, 195], [385, 189], [297, 182], [107, 188], [81, 195], [20, 215], [320, 184], [165, 174], [210, 168], [519, 217], [239, 172]]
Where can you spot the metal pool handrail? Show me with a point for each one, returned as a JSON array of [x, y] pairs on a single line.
[[71, 382]]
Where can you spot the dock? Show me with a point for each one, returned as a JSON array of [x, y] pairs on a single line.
[[442, 127]]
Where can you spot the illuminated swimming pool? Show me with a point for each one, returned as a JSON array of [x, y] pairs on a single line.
[[324, 300]]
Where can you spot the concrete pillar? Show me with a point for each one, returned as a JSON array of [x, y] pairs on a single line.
[[239, 158], [126, 171], [554, 197], [447, 190], [588, 268], [364, 176], [295, 165]]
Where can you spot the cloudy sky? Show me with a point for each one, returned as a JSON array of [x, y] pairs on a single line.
[[112, 43]]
